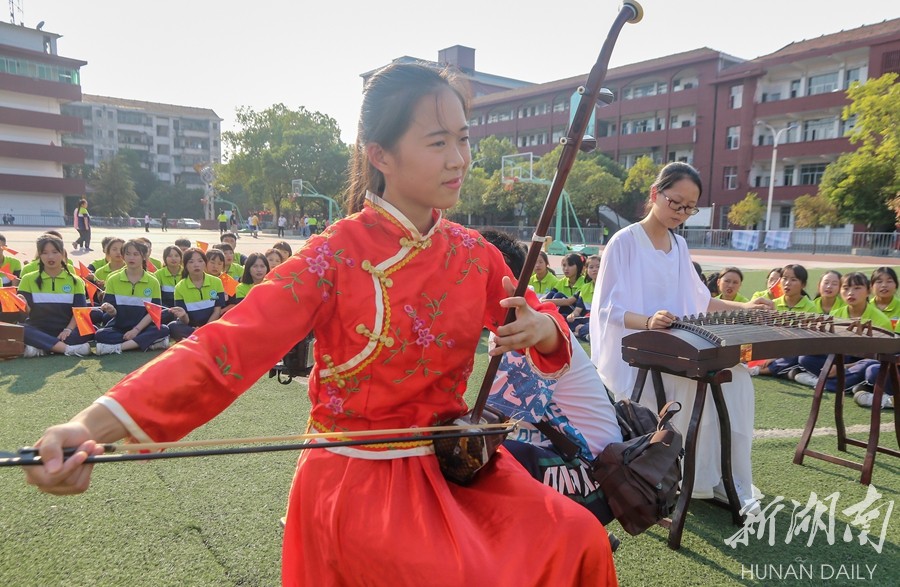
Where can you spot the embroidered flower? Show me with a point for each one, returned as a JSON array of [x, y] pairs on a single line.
[[410, 311], [325, 296], [450, 343], [336, 405], [425, 337], [324, 249], [331, 389], [455, 231], [317, 265], [418, 323], [193, 337], [350, 262], [468, 241]]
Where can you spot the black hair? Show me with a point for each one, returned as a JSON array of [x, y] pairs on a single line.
[[252, 258], [389, 101], [271, 250], [799, 272], [2, 239], [284, 246], [215, 253], [712, 283], [576, 259], [829, 272], [513, 252], [170, 249], [855, 278], [223, 247], [188, 255], [732, 270], [543, 255], [699, 270], [182, 242], [587, 278], [141, 248], [57, 243], [109, 243], [885, 271], [675, 172], [227, 234]]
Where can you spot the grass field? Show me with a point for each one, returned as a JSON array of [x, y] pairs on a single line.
[[214, 520]]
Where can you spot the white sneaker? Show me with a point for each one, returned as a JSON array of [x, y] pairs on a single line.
[[31, 351], [78, 350], [864, 398], [108, 349], [805, 378], [160, 345], [754, 370]]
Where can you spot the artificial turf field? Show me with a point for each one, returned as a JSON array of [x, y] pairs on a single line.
[[214, 520]]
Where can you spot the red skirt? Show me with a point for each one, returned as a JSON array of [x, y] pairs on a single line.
[[355, 521]]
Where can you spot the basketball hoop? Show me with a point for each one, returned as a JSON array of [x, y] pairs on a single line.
[[509, 183]]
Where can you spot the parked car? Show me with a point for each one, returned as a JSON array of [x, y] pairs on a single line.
[[187, 223]]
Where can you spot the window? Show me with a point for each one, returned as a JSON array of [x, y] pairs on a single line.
[[795, 88], [811, 173], [162, 130], [162, 149], [111, 134], [852, 75], [784, 218], [848, 125], [788, 175], [771, 96], [822, 84], [819, 129], [730, 178], [736, 97], [164, 167], [733, 138], [561, 106]]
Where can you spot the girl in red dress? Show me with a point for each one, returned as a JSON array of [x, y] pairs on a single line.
[[398, 297]]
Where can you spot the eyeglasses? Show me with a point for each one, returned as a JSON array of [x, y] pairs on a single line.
[[679, 207]]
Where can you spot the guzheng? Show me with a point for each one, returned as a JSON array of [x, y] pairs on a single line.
[[696, 345]]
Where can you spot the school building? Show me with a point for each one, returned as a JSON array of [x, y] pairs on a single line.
[[37, 171], [718, 112]]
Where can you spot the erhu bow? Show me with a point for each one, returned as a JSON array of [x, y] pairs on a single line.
[[574, 141]]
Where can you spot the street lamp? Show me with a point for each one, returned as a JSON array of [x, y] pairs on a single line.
[[776, 135]]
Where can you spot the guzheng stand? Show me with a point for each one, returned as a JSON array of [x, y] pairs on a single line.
[[888, 369], [714, 380]]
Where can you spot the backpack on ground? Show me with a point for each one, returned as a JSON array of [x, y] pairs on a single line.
[[640, 475]]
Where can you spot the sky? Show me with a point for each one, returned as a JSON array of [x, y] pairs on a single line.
[[225, 54]]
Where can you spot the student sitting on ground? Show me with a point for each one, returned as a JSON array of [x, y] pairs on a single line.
[[231, 239], [50, 294], [183, 244], [98, 263], [578, 318], [153, 264], [285, 248], [131, 327], [33, 265], [576, 405], [729, 285], [773, 278], [828, 296], [114, 260], [855, 293], [12, 266], [169, 274], [542, 279], [884, 293], [794, 299], [274, 257], [230, 267], [199, 297], [566, 290], [255, 271]]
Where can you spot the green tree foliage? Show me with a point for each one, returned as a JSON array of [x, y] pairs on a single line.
[[278, 145], [637, 187], [471, 197], [747, 212], [813, 212], [113, 190], [177, 201], [489, 153], [862, 184], [859, 186], [145, 181]]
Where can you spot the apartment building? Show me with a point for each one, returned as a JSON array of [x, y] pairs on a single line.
[[173, 142], [37, 172], [718, 112]]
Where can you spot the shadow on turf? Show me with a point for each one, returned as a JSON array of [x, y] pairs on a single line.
[[24, 376]]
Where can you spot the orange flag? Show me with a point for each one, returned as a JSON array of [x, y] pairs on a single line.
[[776, 291], [9, 301], [83, 271], [150, 266], [10, 251], [91, 290], [5, 270], [83, 321], [155, 313], [203, 246], [229, 283]]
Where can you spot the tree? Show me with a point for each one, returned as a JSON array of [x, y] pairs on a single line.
[[278, 145], [177, 201], [748, 211], [113, 189], [813, 212], [145, 181], [490, 152], [637, 186], [862, 184], [471, 202]]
